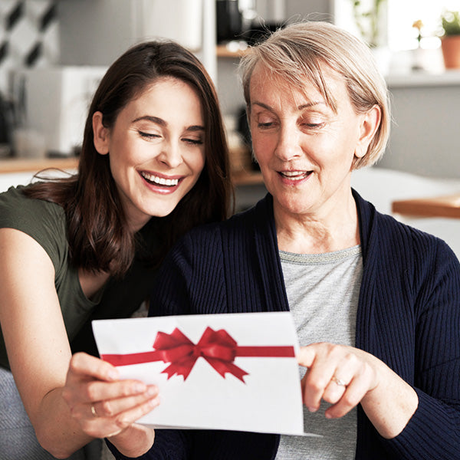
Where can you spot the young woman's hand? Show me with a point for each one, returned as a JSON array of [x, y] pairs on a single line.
[[105, 406]]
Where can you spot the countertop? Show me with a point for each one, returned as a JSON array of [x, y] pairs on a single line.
[[14, 165]]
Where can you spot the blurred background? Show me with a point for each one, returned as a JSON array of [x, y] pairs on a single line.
[[53, 54]]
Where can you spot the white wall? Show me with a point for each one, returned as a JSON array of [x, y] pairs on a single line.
[[425, 137]]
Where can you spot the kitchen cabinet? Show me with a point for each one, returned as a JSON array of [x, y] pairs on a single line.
[[96, 32]]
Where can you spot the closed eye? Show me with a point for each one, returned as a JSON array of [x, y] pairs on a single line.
[[314, 125], [148, 135], [193, 141], [266, 125]]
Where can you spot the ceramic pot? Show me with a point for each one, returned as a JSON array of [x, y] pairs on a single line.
[[451, 51]]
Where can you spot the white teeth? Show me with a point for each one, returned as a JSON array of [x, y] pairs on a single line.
[[295, 175], [160, 180]]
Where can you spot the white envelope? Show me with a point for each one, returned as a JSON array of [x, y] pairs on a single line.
[[258, 389]]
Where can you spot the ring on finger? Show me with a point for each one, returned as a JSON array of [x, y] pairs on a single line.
[[93, 411], [339, 382]]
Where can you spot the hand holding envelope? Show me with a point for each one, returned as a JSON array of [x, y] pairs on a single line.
[[229, 371]]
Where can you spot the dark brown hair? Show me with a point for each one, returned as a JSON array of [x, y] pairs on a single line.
[[97, 228]]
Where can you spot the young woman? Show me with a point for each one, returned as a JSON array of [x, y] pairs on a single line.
[[154, 163]]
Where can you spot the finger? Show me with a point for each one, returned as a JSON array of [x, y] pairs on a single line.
[[133, 414], [335, 390], [90, 392], [315, 382], [111, 407], [83, 365], [101, 427], [306, 356], [96, 391], [351, 397]]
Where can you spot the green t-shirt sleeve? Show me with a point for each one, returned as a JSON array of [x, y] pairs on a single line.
[[41, 220], [46, 223]]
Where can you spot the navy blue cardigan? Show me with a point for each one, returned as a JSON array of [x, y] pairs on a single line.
[[408, 316]]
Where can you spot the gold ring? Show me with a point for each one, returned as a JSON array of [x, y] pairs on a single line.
[[93, 411], [338, 382]]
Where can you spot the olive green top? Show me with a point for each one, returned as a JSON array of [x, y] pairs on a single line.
[[46, 223]]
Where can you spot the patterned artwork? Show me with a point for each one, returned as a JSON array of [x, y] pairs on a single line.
[[29, 36]]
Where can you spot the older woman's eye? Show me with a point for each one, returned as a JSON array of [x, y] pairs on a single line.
[[266, 124], [313, 124]]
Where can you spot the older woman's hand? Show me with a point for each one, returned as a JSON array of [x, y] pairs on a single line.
[[345, 377], [105, 406]]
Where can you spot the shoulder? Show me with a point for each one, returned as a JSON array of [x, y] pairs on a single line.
[[209, 243], [42, 220], [15, 205], [386, 238], [238, 226]]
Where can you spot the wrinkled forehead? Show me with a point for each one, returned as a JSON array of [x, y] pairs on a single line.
[[320, 84]]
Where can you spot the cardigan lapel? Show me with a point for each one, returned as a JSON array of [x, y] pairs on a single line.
[[266, 243]]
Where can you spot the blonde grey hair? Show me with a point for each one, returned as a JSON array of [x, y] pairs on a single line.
[[297, 53]]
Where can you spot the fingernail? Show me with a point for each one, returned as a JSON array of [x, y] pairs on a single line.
[[139, 388], [154, 402], [113, 375], [311, 409], [152, 391]]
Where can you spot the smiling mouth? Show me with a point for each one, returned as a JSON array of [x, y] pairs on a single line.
[[152, 179], [294, 175]]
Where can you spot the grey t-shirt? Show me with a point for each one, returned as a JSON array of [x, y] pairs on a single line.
[[323, 292]]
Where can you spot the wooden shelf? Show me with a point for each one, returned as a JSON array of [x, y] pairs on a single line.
[[247, 178], [14, 165], [225, 51], [442, 206]]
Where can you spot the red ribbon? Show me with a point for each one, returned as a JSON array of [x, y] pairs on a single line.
[[218, 348]]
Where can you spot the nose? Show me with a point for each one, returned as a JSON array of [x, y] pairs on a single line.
[[171, 154], [288, 143]]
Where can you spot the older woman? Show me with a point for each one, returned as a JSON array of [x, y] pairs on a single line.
[[376, 303]]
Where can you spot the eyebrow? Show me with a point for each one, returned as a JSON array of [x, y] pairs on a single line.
[[300, 107], [161, 122]]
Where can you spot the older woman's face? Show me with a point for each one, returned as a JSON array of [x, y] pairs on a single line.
[[305, 150]]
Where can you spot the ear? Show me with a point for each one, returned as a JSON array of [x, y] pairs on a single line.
[[369, 124], [101, 134]]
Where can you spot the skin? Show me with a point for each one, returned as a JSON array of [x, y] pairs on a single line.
[[159, 134], [306, 151]]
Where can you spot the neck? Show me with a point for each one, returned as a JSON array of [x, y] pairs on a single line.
[[317, 233]]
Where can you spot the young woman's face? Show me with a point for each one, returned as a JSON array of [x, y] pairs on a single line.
[[156, 149]]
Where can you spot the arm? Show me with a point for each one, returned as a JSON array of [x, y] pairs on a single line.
[[434, 430], [418, 419], [389, 402], [39, 351]]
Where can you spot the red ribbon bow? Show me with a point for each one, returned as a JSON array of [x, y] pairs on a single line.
[[218, 348]]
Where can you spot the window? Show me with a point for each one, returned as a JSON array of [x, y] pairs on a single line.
[[396, 29], [403, 13]]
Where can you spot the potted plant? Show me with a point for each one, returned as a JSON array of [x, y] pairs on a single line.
[[450, 39], [370, 17]]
